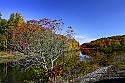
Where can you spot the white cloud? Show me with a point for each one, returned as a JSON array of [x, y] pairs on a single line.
[[83, 39], [84, 36]]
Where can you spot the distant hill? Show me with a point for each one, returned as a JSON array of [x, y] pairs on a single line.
[[105, 48]]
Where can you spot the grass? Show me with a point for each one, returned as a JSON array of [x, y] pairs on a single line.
[[10, 56]]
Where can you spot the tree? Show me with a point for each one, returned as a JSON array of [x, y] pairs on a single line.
[[3, 26], [42, 41], [11, 20], [0, 15], [116, 45], [15, 20]]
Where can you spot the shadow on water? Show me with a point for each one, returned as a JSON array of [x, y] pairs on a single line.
[[118, 80], [10, 74], [85, 57]]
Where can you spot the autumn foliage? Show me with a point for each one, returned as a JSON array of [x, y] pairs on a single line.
[[43, 41], [104, 49]]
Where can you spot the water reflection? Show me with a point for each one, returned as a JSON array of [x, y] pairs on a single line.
[[10, 74], [81, 57], [85, 57]]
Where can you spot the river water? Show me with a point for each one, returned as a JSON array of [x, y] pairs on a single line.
[[14, 75], [9, 74]]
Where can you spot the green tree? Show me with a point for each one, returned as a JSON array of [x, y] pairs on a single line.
[[15, 19], [116, 45], [3, 26], [19, 19], [11, 20]]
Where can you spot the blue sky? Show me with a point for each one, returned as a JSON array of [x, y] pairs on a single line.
[[91, 19]]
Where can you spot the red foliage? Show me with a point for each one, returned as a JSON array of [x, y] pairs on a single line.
[[97, 54], [23, 24], [108, 42], [13, 32], [21, 29], [14, 39], [100, 44]]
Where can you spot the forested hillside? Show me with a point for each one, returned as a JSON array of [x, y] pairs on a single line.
[[105, 49]]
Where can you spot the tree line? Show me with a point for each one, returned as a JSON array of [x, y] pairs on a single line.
[[105, 48]]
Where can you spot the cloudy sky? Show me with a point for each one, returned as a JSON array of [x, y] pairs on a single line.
[[91, 19]]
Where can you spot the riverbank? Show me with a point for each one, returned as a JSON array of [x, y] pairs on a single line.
[[10, 56]]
